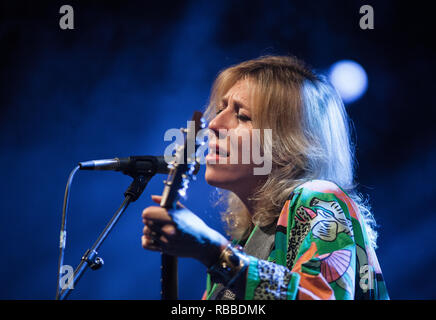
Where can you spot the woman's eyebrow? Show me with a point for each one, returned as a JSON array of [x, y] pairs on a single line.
[[238, 104]]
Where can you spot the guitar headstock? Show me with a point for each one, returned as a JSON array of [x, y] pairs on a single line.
[[184, 166]]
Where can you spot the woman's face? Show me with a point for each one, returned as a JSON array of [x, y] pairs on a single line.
[[229, 163]]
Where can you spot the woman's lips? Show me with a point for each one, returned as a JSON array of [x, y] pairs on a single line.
[[216, 150], [216, 153]]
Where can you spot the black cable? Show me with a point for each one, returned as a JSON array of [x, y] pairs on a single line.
[[63, 233]]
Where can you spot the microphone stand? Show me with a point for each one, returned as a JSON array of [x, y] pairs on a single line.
[[90, 258]]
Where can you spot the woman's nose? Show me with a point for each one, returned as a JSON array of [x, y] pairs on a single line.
[[223, 120]]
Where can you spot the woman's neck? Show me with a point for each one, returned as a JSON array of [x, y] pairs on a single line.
[[248, 198]]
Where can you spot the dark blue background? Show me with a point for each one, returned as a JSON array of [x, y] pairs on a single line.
[[131, 70]]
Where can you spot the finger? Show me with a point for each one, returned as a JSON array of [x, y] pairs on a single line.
[[155, 226], [154, 234], [161, 236], [148, 222], [154, 229], [149, 244], [156, 214], [168, 230], [146, 231], [158, 200]]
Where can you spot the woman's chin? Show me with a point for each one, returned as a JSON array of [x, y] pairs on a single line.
[[217, 178]]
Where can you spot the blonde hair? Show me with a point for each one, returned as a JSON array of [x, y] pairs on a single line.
[[311, 137]]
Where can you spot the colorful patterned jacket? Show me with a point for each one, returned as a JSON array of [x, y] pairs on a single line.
[[321, 251]]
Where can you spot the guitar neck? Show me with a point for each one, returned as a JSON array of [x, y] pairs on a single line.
[[169, 277], [169, 269], [180, 171]]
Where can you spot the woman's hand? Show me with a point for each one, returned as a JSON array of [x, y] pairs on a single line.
[[180, 233]]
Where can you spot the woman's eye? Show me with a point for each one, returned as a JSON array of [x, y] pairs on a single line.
[[219, 111], [243, 118]]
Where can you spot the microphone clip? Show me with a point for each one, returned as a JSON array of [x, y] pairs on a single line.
[[137, 186], [94, 262]]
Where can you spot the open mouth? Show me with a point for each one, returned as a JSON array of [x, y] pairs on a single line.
[[215, 152]]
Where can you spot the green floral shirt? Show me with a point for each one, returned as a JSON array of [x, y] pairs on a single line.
[[321, 251]]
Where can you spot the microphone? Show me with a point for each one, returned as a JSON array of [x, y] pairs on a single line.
[[132, 166]]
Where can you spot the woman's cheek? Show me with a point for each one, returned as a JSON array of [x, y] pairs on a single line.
[[240, 146]]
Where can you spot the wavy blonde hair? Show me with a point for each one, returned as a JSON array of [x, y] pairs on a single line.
[[311, 137]]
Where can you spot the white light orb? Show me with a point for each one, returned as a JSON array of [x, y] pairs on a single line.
[[350, 80]]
